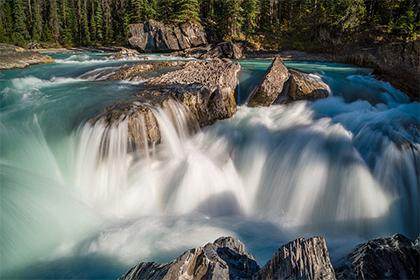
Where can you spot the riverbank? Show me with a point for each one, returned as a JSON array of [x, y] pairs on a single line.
[[17, 57]]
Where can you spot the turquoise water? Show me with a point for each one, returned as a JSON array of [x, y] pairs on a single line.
[[346, 167]]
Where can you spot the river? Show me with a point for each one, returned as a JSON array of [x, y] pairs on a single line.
[[346, 167]]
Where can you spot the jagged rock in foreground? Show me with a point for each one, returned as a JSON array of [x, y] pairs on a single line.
[[395, 257], [17, 57], [153, 35], [271, 86], [225, 258], [206, 89], [281, 85], [299, 259]]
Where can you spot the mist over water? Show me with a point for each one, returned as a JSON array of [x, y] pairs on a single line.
[[73, 204]]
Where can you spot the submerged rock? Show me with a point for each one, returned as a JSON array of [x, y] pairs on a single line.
[[395, 257], [299, 259], [225, 258], [205, 90], [281, 85], [153, 35], [17, 57], [271, 86]]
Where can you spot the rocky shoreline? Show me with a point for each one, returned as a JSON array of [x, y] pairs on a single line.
[[395, 257], [16, 57]]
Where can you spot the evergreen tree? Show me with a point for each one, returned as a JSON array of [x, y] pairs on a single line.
[[67, 22], [92, 22], [20, 33], [98, 20], [166, 10], [53, 21], [251, 12], [36, 31], [186, 10], [107, 21]]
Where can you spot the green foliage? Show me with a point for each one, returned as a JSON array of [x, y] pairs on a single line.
[[275, 23], [20, 33], [251, 12]]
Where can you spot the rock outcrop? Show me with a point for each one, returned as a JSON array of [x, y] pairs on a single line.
[[271, 86], [303, 86], [154, 36], [395, 257], [206, 89], [230, 50], [125, 53], [17, 57], [397, 63], [225, 258], [299, 259], [281, 85]]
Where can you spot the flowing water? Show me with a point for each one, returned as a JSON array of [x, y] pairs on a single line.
[[76, 206]]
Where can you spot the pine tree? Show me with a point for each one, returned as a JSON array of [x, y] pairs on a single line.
[[36, 31], [166, 10], [251, 13], [107, 21], [186, 10], [92, 22], [20, 33], [67, 22], [98, 20], [53, 21]]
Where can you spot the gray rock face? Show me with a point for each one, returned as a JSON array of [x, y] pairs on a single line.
[[304, 86], [226, 50], [299, 259], [395, 257], [206, 89], [398, 63], [16, 57], [281, 85], [271, 86], [225, 258], [156, 36]]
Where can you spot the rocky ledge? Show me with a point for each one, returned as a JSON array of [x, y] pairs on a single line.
[[281, 85], [17, 57], [153, 36], [385, 258], [395, 257], [206, 89], [225, 258], [398, 63]]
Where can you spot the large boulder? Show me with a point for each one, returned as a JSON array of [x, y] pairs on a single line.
[[225, 258], [299, 259], [271, 86], [152, 36], [281, 85], [17, 57], [204, 89], [303, 86], [395, 257]]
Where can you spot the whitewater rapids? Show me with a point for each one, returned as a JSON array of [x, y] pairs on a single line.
[[346, 167]]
